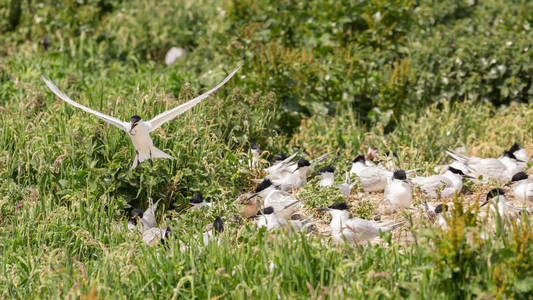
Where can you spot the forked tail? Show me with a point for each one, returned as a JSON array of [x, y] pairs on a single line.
[[154, 153]]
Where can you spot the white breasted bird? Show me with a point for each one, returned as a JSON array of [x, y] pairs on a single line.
[[327, 176], [436, 213], [280, 164], [398, 190], [256, 152], [151, 233], [522, 187], [197, 202], [269, 218], [279, 200], [501, 168], [147, 217], [446, 185], [519, 152], [372, 178], [496, 197], [353, 229], [294, 179], [346, 187], [137, 129], [214, 232]]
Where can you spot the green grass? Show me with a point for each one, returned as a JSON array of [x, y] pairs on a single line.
[[66, 189]]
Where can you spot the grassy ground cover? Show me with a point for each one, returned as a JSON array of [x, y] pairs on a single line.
[[414, 77]]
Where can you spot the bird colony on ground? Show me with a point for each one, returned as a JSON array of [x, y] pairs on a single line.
[[274, 204]]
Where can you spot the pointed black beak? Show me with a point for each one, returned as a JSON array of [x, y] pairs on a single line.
[[484, 203], [252, 196], [323, 209], [508, 183], [468, 176], [133, 126]]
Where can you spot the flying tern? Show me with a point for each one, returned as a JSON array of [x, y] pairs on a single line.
[[138, 129]]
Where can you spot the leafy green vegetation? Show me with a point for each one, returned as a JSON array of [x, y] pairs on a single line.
[[413, 77]]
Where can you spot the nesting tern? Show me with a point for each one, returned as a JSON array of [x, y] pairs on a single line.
[[294, 179], [197, 202], [436, 213], [279, 200], [327, 176], [501, 168], [147, 217], [446, 185], [519, 152], [522, 187], [499, 204], [398, 190], [214, 232], [372, 178], [353, 229]]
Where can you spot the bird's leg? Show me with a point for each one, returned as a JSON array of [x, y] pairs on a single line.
[[151, 161]]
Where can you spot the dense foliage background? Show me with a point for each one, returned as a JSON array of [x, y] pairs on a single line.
[[415, 77]]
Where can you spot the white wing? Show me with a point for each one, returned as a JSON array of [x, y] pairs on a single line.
[[168, 115], [108, 119]]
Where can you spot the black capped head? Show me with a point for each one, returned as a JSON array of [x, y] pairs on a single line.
[[400, 175], [359, 158], [303, 163], [509, 154], [515, 147], [254, 146], [166, 235], [135, 119], [440, 208], [339, 206], [266, 211], [391, 154], [326, 169], [46, 42], [263, 185], [218, 225], [456, 171], [519, 176], [197, 198], [280, 157], [495, 193]]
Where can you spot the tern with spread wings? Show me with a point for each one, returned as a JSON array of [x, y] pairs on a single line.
[[137, 129]]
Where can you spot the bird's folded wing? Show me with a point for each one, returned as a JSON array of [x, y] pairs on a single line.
[[168, 115], [108, 119]]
